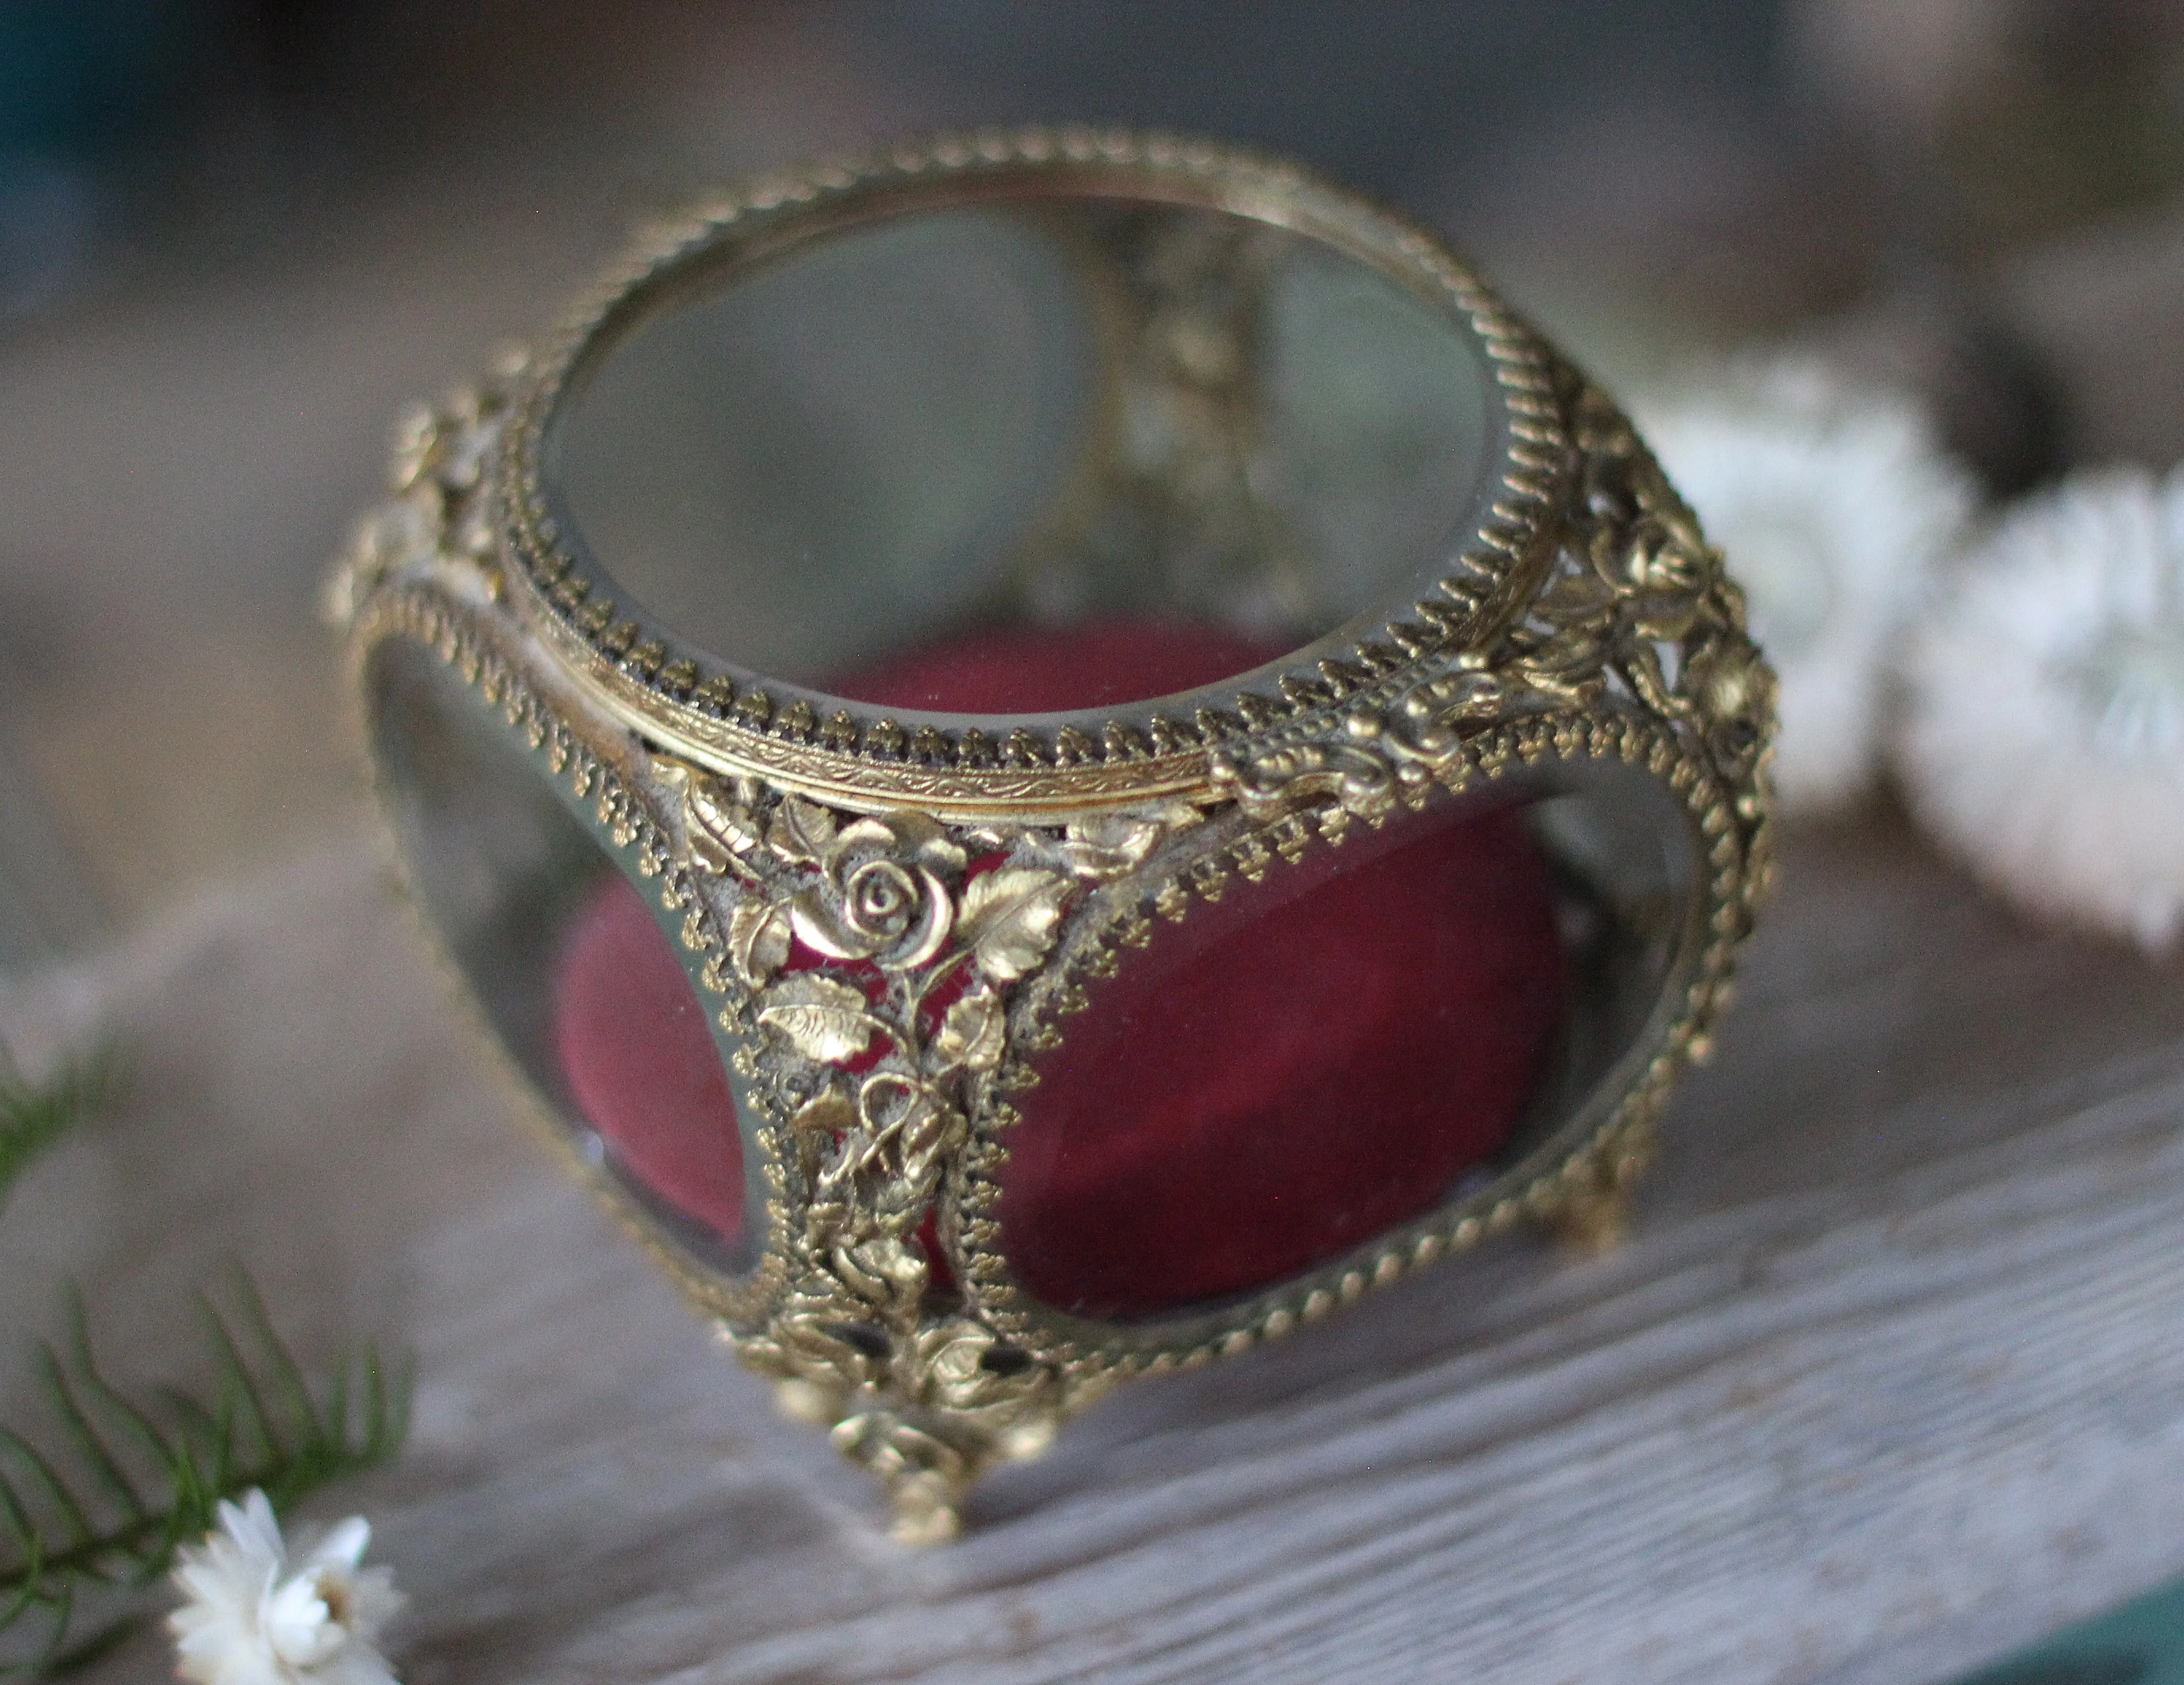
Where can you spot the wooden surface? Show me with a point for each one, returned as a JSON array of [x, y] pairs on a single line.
[[1889, 1379]]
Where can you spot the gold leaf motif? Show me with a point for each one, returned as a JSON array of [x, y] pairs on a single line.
[[916, 837], [715, 818], [973, 1033], [1008, 918], [1108, 847], [927, 1127], [710, 850], [923, 840], [828, 1114], [885, 1271], [822, 1019], [758, 939], [873, 833], [814, 921], [942, 854], [802, 833]]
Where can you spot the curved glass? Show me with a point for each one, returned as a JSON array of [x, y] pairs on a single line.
[[1345, 1045], [573, 967], [1023, 418]]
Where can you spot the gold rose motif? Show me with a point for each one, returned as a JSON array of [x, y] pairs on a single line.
[[824, 1019], [881, 895]]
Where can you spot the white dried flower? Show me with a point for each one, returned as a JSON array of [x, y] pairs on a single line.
[[1832, 502], [2044, 736], [253, 1618]]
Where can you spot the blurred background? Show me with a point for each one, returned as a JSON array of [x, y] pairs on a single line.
[[235, 238]]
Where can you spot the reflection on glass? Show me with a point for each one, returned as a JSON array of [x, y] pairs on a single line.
[[1040, 415], [575, 973]]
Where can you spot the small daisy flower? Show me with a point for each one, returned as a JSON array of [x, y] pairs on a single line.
[[255, 1617], [1832, 504], [2044, 735]]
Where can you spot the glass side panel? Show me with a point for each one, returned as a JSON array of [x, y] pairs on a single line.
[[576, 973], [1339, 1049]]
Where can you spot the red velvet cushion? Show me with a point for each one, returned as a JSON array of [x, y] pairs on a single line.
[[640, 1061], [1223, 1115], [1226, 1114]]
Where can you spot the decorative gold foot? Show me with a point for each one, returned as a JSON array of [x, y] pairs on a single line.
[[925, 1476], [927, 1510], [929, 1423], [1593, 1222], [1594, 1217]]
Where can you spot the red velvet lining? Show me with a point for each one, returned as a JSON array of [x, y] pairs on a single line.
[[1328, 1066], [640, 1061]]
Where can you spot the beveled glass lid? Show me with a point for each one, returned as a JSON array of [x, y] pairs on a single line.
[[1029, 384]]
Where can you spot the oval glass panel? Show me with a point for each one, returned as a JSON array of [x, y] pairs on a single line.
[[574, 972], [1343, 1047], [1023, 419]]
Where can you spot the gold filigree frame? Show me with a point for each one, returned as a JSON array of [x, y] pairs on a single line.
[[968, 904]]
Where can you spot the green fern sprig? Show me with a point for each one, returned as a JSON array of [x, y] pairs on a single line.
[[139, 1479], [34, 1115]]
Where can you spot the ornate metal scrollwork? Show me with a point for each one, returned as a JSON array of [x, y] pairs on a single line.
[[877, 955], [1637, 614]]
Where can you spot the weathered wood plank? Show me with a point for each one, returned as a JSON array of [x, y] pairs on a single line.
[[1889, 1379]]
